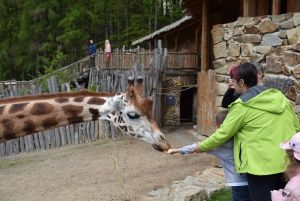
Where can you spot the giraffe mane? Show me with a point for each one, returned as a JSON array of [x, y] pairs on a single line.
[[56, 95]]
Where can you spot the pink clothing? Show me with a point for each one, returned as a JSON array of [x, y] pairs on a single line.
[[291, 192]]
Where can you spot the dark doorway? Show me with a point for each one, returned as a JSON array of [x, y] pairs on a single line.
[[186, 105]]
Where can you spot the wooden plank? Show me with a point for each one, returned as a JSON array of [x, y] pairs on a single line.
[[276, 5], [42, 140], [291, 6], [36, 141], [76, 133], [22, 144], [57, 137], [249, 8], [63, 135], [2, 149], [92, 131], [72, 133], [47, 139], [262, 8], [205, 37]]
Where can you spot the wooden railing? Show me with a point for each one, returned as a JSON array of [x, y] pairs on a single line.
[[175, 60]]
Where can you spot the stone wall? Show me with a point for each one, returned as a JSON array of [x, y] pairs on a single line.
[[273, 41]]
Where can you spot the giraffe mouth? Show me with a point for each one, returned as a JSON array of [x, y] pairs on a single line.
[[161, 146]]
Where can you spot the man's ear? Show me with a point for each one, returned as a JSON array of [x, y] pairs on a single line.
[[241, 83]]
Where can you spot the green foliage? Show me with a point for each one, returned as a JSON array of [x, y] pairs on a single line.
[[221, 195], [93, 87], [33, 31]]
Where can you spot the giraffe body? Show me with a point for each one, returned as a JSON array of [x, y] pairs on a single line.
[[26, 115]]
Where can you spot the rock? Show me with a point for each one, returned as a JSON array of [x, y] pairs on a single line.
[[228, 34], [251, 29], [271, 40], [220, 50], [221, 88], [286, 71], [250, 38], [219, 63], [217, 34], [287, 24], [290, 57], [291, 93], [282, 34], [234, 49], [278, 18], [244, 20], [246, 49], [257, 57], [263, 49], [296, 19], [293, 36], [238, 31], [274, 64], [267, 26], [296, 47], [296, 71]]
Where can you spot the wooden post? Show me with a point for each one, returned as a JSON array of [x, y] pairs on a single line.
[[262, 8], [276, 7], [291, 5], [204, 38], [249, 8]]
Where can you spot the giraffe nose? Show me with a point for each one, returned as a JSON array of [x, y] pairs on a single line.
[[159, 146]]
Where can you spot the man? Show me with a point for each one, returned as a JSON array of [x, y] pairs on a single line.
[[92, 53]]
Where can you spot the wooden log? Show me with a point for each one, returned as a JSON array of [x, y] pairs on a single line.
[[22, 144], [291, 6], [72, 133], [92, 131], [47, 139], [69, 141], [276, 6], [249, 8], [36, 141], [76, 133], [205, 37], [57, 137], [52, 138], [2, 149], [63, 135], [42, 140]]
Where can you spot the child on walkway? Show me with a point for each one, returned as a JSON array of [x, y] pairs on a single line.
[[291, 192], [237, 182]]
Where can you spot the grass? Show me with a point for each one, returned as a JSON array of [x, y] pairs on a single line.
[[221, 195]]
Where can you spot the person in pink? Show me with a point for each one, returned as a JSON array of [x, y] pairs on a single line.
[[291, 192], [107, 51]]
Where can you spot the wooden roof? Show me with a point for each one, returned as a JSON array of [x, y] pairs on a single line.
[[164, 29]]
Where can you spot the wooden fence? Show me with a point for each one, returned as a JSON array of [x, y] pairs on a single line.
[[102, 79]]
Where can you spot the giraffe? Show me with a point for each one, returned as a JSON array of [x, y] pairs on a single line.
[[130, 112]]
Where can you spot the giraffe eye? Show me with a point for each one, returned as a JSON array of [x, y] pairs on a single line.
[[133, 115]]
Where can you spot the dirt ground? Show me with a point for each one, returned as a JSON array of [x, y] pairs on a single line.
[[123, 169]]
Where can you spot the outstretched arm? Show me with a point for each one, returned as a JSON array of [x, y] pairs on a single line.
[[184, 150]]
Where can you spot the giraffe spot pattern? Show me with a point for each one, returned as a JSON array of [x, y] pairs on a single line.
[[75, 119], [17, 107], [72, 112], [20, 116], [41, 108], [61, 100], [95, 113], [49, 122], [96, 101], [123, 128], [29, 126], [78, 99], [8, 126], [2, 109]]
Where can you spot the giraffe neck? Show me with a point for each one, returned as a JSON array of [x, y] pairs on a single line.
[[27, 115]]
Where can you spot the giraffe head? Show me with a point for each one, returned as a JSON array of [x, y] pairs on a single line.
[[132, 114]]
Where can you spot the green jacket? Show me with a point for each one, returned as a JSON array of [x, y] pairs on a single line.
[[259, 121]]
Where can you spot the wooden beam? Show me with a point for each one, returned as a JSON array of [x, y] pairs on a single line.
[[196, 47], [276, 7], [262, 8], [249, 8], [205, 37], [291, 5]]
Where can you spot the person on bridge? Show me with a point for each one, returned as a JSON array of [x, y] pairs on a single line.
[[107, 51], [92, 53]]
